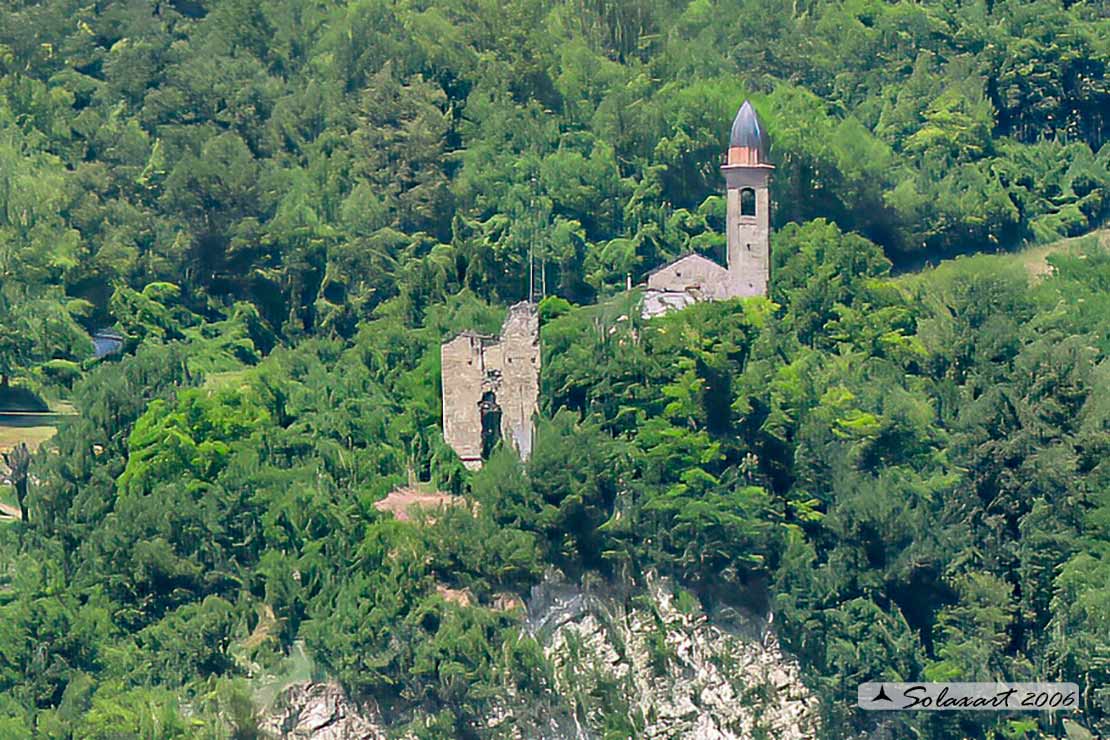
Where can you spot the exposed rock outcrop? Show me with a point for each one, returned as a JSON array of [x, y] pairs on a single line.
[[404, 503], [320, 711], [650, 664], [678, 674]]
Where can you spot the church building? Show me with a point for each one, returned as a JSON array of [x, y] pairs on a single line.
[[693, 277]]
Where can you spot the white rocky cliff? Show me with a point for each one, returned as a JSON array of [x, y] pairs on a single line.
[[678, 674], [319, 711], [647, 665]]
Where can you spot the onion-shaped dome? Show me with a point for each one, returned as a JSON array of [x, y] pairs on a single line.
[[748, 143]]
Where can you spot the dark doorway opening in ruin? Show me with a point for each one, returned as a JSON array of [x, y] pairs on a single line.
[[491, 423]]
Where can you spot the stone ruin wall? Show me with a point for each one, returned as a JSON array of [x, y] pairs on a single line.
[[462, 376], [508, 367], [520, 376]]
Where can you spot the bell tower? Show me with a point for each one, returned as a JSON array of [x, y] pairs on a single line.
[[747, 177]]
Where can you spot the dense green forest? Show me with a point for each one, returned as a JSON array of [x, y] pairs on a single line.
[[284, 207]]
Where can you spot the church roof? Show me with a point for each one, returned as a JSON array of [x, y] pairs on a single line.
[[748, 132], [689, 256]]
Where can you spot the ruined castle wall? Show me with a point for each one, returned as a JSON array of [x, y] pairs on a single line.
[[507, 366], [463, 371], [520, 376]]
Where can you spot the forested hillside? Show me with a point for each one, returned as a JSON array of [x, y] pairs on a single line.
[[284, 208], [318, 159]]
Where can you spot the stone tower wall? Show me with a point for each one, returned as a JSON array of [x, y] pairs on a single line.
[[749, 237]]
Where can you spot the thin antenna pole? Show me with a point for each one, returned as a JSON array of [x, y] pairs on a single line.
[[532, 243]]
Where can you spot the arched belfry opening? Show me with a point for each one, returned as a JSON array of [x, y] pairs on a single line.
[[747, 202], [490, 412]]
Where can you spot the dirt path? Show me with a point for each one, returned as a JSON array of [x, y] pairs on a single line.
[[9, 512]]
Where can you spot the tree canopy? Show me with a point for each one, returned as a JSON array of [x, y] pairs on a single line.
[[284, 209]]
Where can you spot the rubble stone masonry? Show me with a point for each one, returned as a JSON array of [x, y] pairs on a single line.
[[483, 374]]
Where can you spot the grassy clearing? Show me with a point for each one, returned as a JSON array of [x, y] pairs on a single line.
[[1034, 260], [10, 436], [225, 379], [32, 428], [9, 506], [63, 407]]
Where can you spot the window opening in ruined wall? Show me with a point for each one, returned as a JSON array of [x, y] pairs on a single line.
[[491, 423]]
